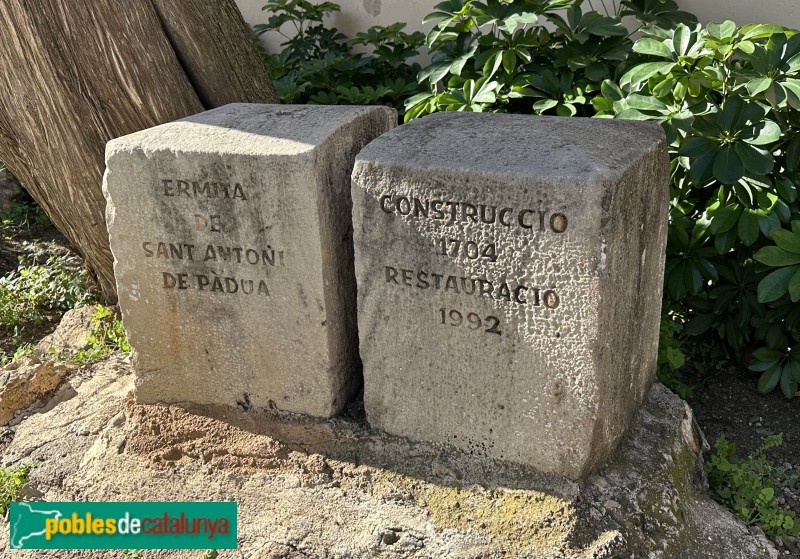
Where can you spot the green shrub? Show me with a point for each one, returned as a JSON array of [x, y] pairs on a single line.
[[35, 288], [729, 102], [24, 218], [318, 65], [749, 487], [671, 357], [11, 483], [528, 56]]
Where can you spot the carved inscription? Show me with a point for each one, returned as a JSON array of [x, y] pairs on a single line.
[[525, 219], [473, 321], [451, 212], [199, 189], [253, 259]]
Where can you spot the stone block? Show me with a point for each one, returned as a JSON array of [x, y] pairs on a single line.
[[509, 275], [231, 236]]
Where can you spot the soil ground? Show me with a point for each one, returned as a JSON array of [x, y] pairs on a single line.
[[727, 403]]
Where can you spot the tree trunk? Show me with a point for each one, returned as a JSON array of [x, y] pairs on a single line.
[[77, 73]]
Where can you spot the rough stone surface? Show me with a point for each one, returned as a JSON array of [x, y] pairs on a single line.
[[27, 382], [335, 489], [231, 237], [71, 333], [509, 276]]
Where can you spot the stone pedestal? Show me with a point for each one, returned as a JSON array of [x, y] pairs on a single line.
[[509, 276], [231, 236]]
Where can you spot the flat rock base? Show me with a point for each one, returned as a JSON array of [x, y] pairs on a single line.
[[338, 490]]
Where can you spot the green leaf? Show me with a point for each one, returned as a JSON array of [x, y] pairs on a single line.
[[544, 105], [768, 223], [509, 61], [643, 72], [675, 358], [793, 154], [789, 389], [757, 85], [596, 71], [794, 368], [766, 132], [769, 380], [632, 114], [760, 31], [774, 256], [697, 146], [724, 219], [681, 40], [794, 287], [611, 91], [644, 103], [728, 167], [787, 240], [767, 355], [757, 161], [776, 284], [653, 48], [748, 228]]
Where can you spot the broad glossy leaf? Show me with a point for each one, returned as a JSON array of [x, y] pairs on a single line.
[[596, 71], [757, 161], [776, 256], [793, 154], [643, 72], [701, 169], [728, 166], [794, 287], [509, 61], [697, 146], [764, 133], [768, 223], [611, 91], [794, 368], [768, 355], [769, 380], [725, 219], [653, 47], [544, 105], [783, 211], [788, 385], [758, 85], [786, 240], [681, 40], [776, 284], [632, 114], [644, 103], [747, 47], [681, 89], [748, 228], [724, 30], [760, 31]]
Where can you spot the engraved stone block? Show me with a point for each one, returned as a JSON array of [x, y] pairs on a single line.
[[231, 235], [509, 275]]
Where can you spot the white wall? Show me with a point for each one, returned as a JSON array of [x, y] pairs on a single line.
[[359, 15], [780, 12]]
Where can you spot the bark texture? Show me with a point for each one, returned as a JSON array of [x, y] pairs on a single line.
[[77, 74]]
